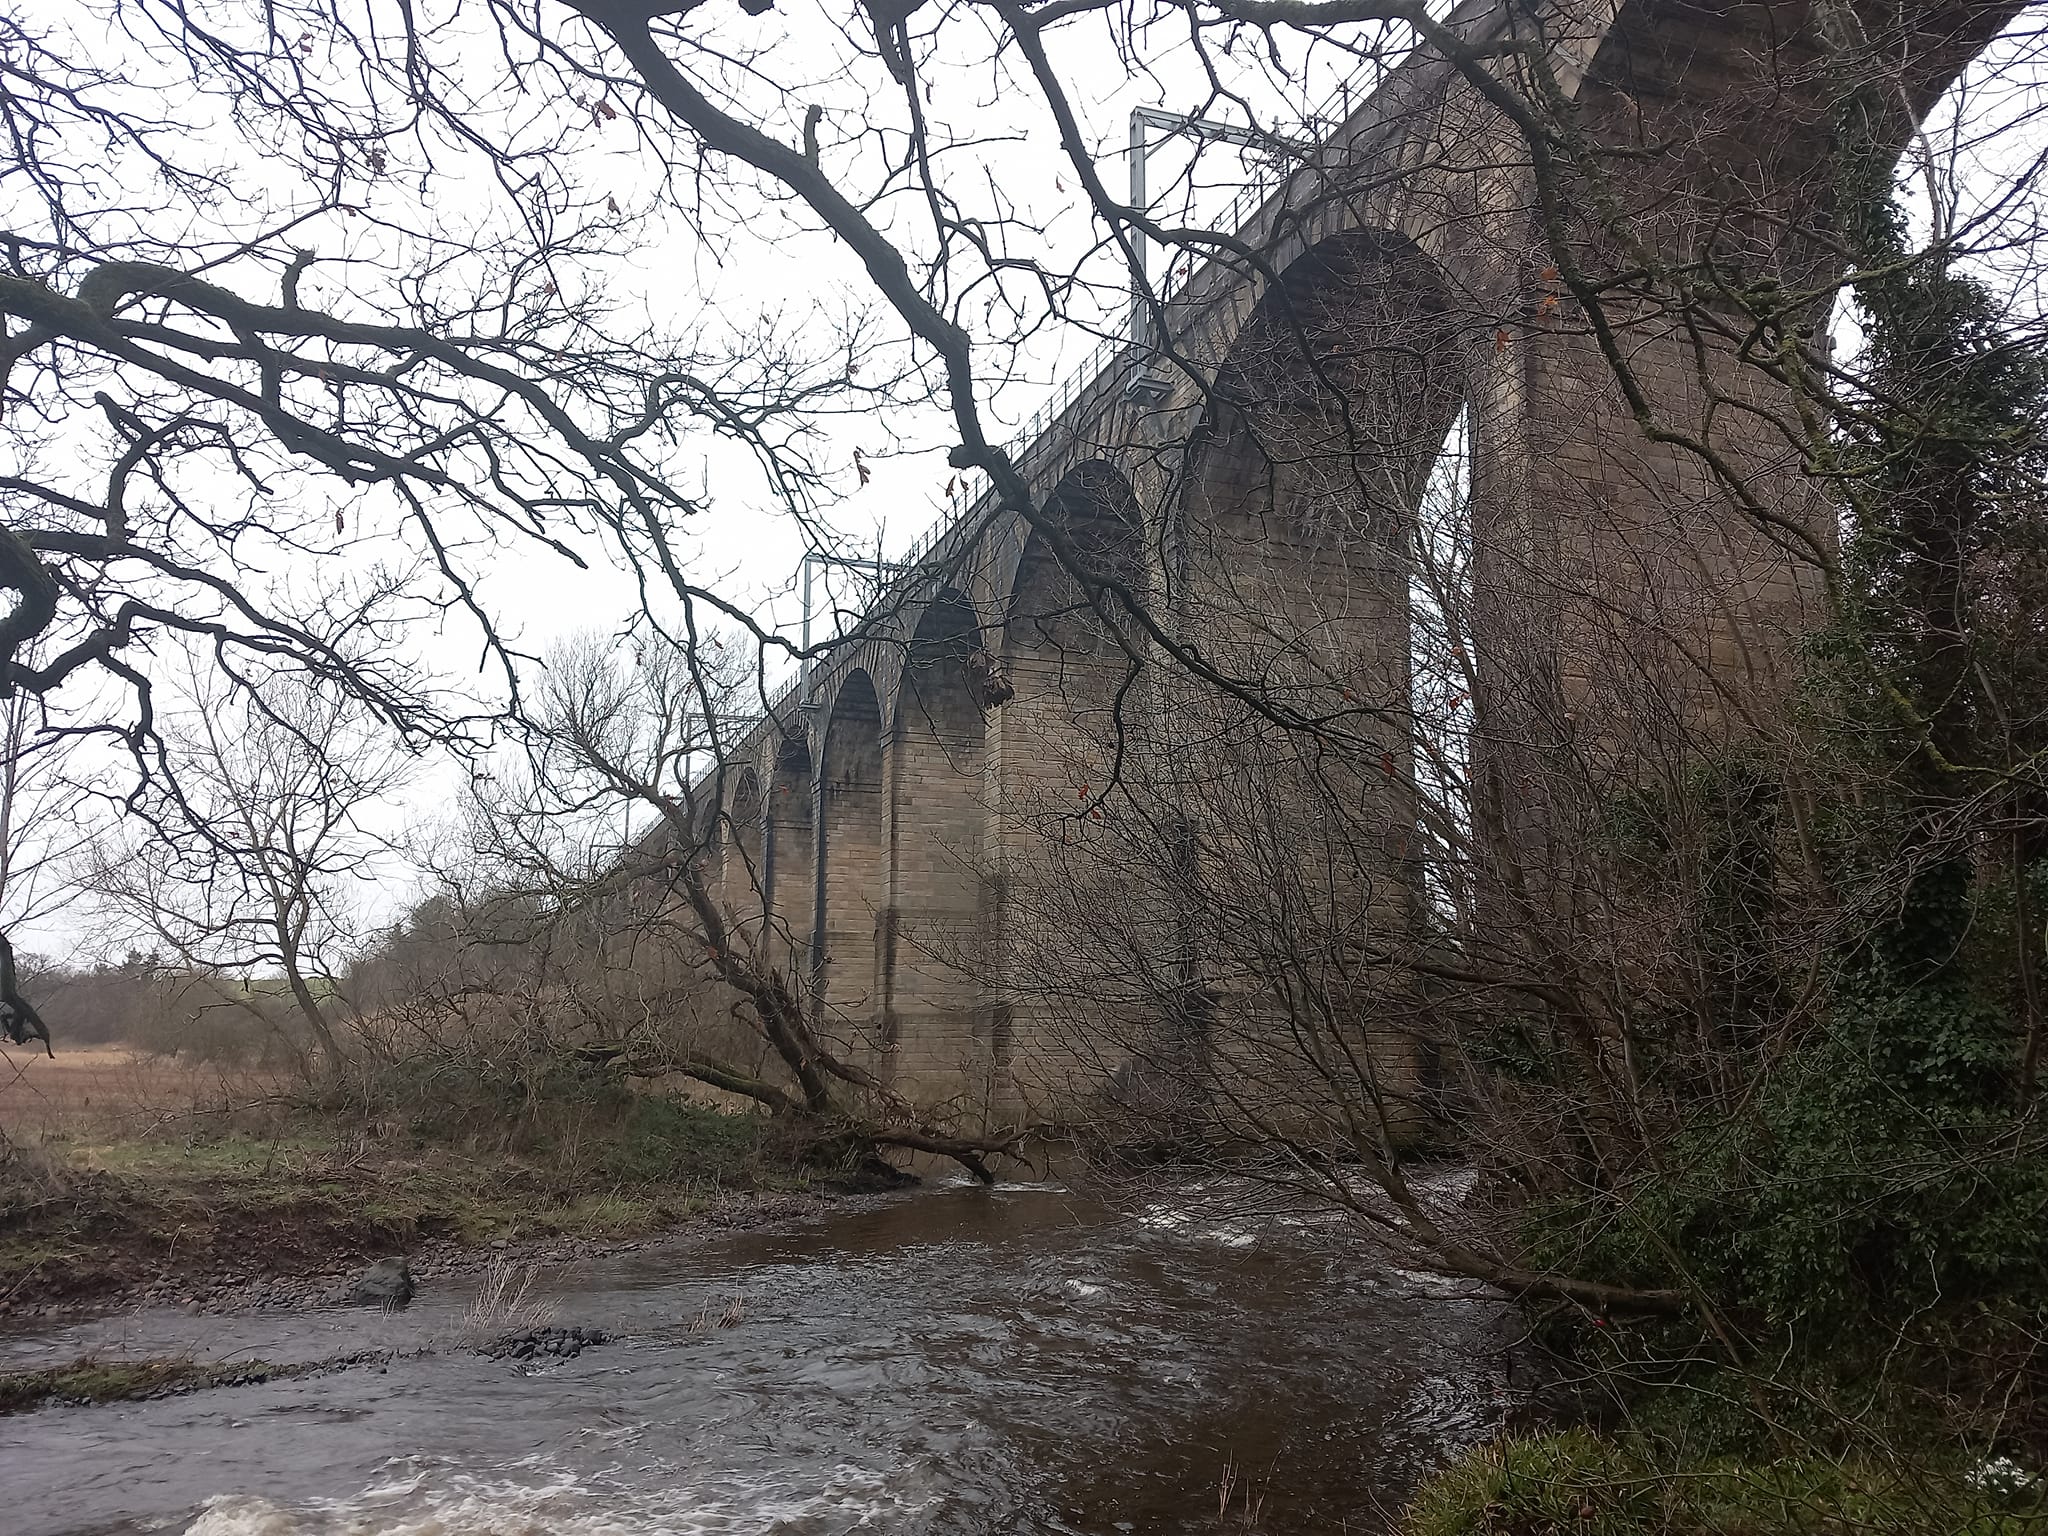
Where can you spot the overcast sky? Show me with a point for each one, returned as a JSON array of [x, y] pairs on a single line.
[[739, 260]]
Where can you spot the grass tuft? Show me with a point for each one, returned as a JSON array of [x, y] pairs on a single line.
[[504, 1304]]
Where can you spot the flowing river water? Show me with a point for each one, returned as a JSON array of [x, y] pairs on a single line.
[[959, 1361]]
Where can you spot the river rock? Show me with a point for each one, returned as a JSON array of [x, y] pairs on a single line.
[[387, 1283], [544, 1343]]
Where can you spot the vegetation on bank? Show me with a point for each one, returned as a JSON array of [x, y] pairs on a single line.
[[1859, 1229], [95, 1379], [305, 1184], [1583, 1484]]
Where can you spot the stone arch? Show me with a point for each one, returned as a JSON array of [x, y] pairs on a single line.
[[744, 807], [1627, 584], [852, 854], [1073, 691], [1295, 560], [1328, 414], [933, 930], [1065, 654], [1044, 607], [790, 854], [740, 835], [1730, 115]]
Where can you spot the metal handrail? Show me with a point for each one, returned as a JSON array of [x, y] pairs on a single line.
[[1074, 383]]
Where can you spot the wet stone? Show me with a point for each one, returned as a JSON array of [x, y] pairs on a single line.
[[544, 1343], [387, 1283]]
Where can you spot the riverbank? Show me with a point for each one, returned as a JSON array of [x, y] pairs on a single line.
[[94, 1380], [1585, 1483], [116, 1199], [215, 1245]]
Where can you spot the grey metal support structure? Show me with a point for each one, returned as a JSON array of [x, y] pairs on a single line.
[[812, 560], [1143, 118]]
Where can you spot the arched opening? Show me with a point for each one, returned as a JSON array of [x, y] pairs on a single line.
[[1072, 697], [791, 854], [1325, 423], [741, 878], [1300, 529], [1443, 682], [1064, 658], [852, 861], [1295, 784], [744, 826], [933, 936]]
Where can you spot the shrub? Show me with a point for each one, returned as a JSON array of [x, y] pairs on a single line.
[[582, 1120]]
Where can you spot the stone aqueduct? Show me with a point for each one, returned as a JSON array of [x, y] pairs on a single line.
[[1403, 276]]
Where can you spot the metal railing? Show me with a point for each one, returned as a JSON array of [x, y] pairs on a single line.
[[1077, 382]]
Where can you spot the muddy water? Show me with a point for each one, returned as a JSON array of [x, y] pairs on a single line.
[[962, 1361]]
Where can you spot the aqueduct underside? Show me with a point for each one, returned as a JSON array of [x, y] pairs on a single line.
[[922, 833]]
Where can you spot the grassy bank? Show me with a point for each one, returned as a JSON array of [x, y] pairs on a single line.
[[1578, 1483], [99, 1380], [105, 1199]]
